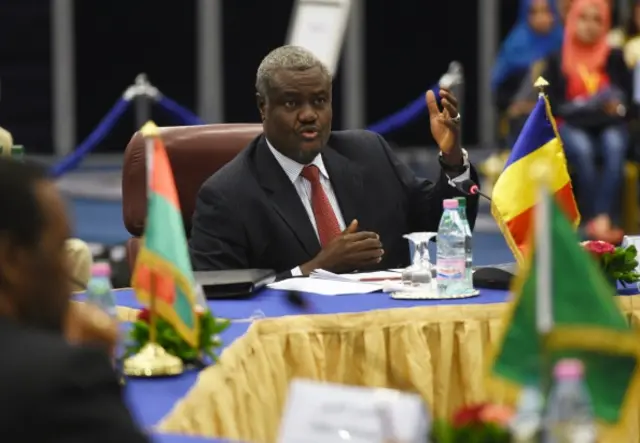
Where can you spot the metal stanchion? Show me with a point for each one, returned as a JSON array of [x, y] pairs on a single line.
[[143, 94]]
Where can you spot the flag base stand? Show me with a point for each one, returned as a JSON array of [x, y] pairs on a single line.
[[152, 361]]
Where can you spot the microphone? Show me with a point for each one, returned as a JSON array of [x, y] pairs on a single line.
[[469, 187]]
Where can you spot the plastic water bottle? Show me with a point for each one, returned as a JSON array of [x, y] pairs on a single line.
[[569, 416], [468, 244], [100, 291], [451, 261]]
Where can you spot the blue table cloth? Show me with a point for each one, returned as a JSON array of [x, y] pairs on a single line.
[[274, 303]]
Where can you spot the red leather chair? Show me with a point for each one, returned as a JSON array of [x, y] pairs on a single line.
[[195, 153]]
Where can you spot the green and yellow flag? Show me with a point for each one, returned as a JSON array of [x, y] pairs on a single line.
[[565, 308], [163, 269]]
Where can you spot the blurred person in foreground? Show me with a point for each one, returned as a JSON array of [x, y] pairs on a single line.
[[301, 197], [57, 382], [536, 35], [589, 89]]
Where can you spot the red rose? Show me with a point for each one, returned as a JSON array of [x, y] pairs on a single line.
[[469, 415], [598, 248], [144, 315]]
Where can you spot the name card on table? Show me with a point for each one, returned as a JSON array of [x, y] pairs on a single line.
[[319, 26], [325, 413]]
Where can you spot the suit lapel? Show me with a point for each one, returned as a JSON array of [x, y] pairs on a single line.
[[347, 182], [284, 197]]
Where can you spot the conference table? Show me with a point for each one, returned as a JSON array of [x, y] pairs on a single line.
[[150, 400]]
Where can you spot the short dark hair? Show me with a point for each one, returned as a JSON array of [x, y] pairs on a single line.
[[21, 215]]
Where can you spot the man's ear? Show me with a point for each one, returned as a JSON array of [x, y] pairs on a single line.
[[12, 259], [261, 102]]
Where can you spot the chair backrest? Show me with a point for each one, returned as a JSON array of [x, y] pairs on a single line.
[[195, 153]]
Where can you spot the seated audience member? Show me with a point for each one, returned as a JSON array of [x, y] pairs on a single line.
[[302, 197], [78, 252], [632, 37], [52, 390], [537, 33], [589, 87]]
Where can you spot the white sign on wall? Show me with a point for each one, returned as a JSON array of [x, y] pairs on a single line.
[[319, 26]]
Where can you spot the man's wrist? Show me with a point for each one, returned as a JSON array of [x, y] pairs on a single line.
[[453, 159], [454, 162]]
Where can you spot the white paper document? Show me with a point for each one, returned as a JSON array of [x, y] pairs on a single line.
[[363, 277], [326, 413], [324, 286]]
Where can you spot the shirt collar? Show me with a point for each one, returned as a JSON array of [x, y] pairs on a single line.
[[292, 168]]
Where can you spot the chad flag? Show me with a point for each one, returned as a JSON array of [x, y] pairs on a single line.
[[514, 194]]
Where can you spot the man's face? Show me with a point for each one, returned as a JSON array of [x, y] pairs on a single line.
[[36, 279], [589, 26], [296, 113]]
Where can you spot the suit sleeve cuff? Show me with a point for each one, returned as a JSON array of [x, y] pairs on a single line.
[[466, 175]]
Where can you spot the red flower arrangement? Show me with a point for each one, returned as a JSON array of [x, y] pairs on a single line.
[[617, 263], [481, 423], [168, 338]]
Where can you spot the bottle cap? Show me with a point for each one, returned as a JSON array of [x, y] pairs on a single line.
[[101, 269], [569, 368], [450, 203], [462, 202]]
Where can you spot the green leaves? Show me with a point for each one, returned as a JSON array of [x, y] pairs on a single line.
[[168, 338], [444, 432], [621, 264]]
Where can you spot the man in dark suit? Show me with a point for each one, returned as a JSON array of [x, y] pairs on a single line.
[[51, 390], [301, 197]]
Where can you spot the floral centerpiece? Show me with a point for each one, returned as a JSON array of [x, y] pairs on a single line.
[[617, 263], [173, 343], [482, 423]]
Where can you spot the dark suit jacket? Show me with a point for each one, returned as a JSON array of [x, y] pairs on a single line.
[[249, 215], [53, 392]]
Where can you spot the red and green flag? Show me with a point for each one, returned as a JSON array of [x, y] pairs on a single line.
[[565, 308], [163, 269]]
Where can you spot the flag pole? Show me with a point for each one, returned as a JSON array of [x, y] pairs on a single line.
[[152, 360], [150, 135], [543, 261]]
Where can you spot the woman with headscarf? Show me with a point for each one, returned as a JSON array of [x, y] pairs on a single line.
[[589, 88], [537, 33]]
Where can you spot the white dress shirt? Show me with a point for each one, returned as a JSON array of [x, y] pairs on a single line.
[[303, 187]]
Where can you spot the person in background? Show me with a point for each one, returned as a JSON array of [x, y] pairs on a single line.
[[57, 382], [632, 37], [589, 88], [78, 252], [537, 34]]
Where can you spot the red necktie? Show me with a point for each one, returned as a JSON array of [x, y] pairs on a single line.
[[326, 221]]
